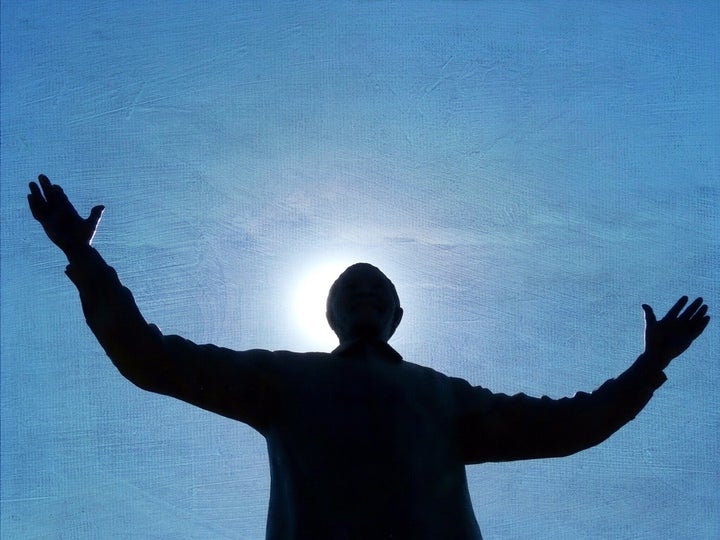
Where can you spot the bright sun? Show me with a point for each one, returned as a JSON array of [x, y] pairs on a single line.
[[309, 297]]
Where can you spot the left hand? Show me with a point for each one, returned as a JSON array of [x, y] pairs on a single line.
[[58, 216], [669, 337]]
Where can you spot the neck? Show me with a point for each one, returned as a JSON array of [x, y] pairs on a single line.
[[379, 348], [362, 340]]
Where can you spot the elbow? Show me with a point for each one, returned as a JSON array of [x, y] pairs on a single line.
[[584, 440], [575, 448], [141, 363], [137, 374]]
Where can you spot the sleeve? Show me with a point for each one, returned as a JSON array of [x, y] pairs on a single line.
[[235, 384], [498, 427]]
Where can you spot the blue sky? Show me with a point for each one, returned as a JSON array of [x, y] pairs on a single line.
[[526, 173]]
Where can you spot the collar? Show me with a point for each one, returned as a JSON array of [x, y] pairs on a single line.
[[363, 349]]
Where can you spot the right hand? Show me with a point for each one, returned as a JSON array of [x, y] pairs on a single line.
[[669, 337], [58, 216]]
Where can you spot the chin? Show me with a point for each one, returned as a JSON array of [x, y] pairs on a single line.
[[366, 331]]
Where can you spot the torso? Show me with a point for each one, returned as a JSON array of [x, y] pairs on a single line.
[[366, 445]]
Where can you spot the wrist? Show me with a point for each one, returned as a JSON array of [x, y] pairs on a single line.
[[76, 251], [657, 357], [650, 365]]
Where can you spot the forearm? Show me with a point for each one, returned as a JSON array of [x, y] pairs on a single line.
[[498, 427], [592, 418], [111, 313]]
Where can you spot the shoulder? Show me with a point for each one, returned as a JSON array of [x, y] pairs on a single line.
[[301, 358], [427, 371], [456, 388], [434, 378]]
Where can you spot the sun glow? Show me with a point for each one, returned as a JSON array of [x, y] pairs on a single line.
[[309, 298]]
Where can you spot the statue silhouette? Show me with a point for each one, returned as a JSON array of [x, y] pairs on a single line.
[[363, 445]]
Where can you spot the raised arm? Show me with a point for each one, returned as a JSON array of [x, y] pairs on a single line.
[[498, 427], [231, 383]]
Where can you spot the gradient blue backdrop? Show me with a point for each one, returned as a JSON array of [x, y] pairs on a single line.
[[528, 173]]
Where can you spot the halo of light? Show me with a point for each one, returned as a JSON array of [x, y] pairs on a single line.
[[309, 300]]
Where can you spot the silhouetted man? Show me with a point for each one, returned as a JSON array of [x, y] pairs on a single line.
[[362, 444]]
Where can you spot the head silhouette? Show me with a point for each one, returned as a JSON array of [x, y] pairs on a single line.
[[363, 305]]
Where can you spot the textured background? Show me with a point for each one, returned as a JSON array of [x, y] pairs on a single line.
[[527, 173]]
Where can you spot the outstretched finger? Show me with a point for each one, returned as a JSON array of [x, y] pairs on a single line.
[[45, 184], [35, 190], [699, 314], [699, 321], [38, 206], [53, 192], [702, 324], [692, 308], [675, 310]]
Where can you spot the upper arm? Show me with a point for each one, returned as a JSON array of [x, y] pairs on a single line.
[[241, 385], [499, 427]]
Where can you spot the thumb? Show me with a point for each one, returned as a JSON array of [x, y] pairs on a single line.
[[649, 314], [96, 214]]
